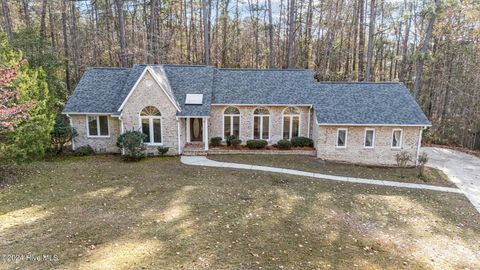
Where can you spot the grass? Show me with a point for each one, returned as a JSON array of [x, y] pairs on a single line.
[[431, 176], [101, 213]]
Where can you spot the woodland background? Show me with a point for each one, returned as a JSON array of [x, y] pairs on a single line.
[[431, 46]]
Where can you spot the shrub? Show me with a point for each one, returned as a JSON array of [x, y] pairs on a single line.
[[256, 144], [229, 139], [162, 150], [422, 161], [236, 142], [301, 141], [402, 160], [284, 144], [132, 143], [216, 141], [84, 151], [61, 134]]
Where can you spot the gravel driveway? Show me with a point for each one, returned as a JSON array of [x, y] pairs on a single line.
[[463, 169]]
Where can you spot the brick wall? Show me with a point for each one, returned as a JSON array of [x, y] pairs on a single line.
[[153, 95], [99, 144], [355, 152], [215, 122]]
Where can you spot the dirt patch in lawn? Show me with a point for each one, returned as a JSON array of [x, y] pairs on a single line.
[[312, 164], [101, 213]]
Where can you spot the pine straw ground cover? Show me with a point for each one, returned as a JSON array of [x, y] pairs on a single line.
[[101, 213], [311, 164]]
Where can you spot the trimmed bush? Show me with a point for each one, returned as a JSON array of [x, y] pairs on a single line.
[[229, 139], [216, 141], [84, 151], [236, 142], [284, 144], [256, 144], [402, 161], [132, 143], [301, 142], [162, 150]]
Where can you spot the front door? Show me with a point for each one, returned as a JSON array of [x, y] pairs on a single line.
[[196, 129]]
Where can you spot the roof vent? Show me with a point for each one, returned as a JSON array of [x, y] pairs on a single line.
[[194, 99]]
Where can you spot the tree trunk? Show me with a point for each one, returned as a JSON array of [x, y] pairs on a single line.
[[43, 33], [206, 35], [424, 50], [361, 39], [291, 32], [6, 20], [371, 42], [65, 45], [121, 32]]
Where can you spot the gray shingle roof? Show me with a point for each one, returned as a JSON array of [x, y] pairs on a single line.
[[366, 103], [256, 86], [97, 91], [103, 90]]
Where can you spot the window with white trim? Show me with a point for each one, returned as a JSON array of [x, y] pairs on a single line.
[[397, 138], [341, 138], [231, 122], [291, 123], [97, 126], [151, 125], [369, 138], [261, 124]]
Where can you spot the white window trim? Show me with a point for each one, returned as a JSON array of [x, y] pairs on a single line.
[[261, 116], [346, 137], [231, 123], [365, 138], [401, 138], [98, 126], [150, 124], [299, 115]]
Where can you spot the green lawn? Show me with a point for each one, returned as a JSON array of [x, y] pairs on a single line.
[[101, 213], [312, 164]]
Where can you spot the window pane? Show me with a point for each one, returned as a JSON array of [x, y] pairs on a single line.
[[369, 138], [266, 127], [286, 127], [103, 125], [256, 127], [295, 126], [92, 126], [157, 131], [341, 137], [236, 126], [226, 126], [146, 129], [396, 138]]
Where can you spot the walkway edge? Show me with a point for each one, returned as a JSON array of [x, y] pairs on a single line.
[[203, 161]]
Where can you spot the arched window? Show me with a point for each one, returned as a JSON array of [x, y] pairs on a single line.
[[291, 123], [261, 124], [231, 122], [151, 125]]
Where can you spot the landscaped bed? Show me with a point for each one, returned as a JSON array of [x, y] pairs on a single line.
[[311, 164], [101, 213]]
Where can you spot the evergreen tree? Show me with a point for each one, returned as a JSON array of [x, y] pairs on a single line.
[[31, 137]]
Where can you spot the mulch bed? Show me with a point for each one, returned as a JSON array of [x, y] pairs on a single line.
[[268, 147]]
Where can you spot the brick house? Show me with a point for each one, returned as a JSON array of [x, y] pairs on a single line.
[[175, 105]]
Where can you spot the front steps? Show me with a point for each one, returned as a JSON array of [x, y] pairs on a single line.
[[194, 149]]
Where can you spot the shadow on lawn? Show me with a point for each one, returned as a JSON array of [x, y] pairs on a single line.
[[99, 213]]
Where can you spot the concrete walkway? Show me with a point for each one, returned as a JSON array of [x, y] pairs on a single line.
[[462, 169], [203, 161]]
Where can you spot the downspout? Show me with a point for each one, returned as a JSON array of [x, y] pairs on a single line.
[[122, 130], [308, 122], [179, 139], [71, 127], [419, 144]]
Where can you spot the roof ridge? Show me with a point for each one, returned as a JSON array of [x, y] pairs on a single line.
[[343, 82], [263, 69], [124, 68]]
